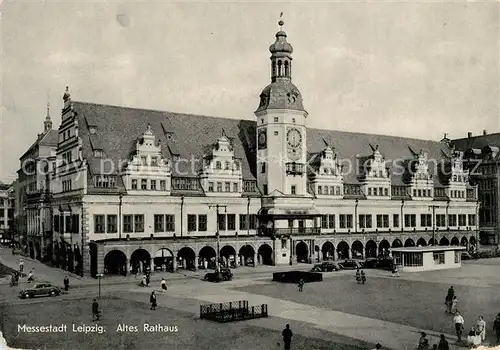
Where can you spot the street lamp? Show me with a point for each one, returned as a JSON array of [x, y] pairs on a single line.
[[217, 267], [99, 276]]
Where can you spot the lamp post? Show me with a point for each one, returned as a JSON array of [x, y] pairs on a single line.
[[217, 253], [433, 207], [99, 276]]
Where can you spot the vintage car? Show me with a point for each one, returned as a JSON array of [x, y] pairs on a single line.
[[40, 289], [225, 275], [326, 266], [351, 264]]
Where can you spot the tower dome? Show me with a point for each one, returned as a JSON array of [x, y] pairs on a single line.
[[281, 45]]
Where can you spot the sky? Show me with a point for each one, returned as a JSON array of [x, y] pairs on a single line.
[[396, 68]]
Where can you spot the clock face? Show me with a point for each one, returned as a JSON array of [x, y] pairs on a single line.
[[262, 139], [294, 138]]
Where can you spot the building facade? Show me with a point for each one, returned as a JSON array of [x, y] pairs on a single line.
[[482, 158], [132, 188], [7, 206]]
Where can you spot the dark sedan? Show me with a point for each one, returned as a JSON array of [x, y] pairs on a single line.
[[351, 265], [41, 289], [224, 275], [326, 266]]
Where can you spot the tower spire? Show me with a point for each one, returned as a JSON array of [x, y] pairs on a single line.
[[47, 124]]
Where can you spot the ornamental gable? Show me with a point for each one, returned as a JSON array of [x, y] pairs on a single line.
[[420, 180], [374, 175], [327, 178]]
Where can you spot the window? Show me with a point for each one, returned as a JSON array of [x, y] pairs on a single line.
[[219, 186], [369, 191], [320, 190], [144, 160], [154, 161], [462, 220], [365, 221], [345, 220], [227, 186], [134, 184], [276, 119], [438, 258], [324, 221], [139, 223], [331, 221], [452, 220], [283, 244], [440, 220], [191, 222], [243, 222], [210, 187], [111, 223], [218, 165], [169, 223], [386, 192], [128, 221], [202, 222], [293, 190], [226, 165], [221, 219], [159, 220], [382, 221], [265, 189], [263, 167], [332, 190], [253, 221], [236, 188], [163, 186], [153, 185], [425, 220], [99, 226], [337, 190], [231, 222], [375, 191], [410, 220], [144, 184], [419, 193], [472, 219]]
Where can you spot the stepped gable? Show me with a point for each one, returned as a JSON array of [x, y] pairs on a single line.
[[189, 136]]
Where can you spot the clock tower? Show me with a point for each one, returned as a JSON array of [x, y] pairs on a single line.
[[281, 127]]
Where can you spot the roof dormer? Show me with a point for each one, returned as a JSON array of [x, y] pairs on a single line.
[[374, 175], [327, 178]]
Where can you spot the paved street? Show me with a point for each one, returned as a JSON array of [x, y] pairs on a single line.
[[337, 312]]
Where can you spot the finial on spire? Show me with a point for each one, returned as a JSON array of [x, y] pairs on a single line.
[[281, 23], [48, 111], [66, 95]]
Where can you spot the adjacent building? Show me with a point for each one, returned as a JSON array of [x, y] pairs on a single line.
[[131, 188], [482, 158], [7, 202]]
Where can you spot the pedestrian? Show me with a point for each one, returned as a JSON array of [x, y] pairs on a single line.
[[143, 282], [481, 327], [423, 343], [66, 283], [363, 277], [496, 327], [31, 276], [96, 314], [443, 343], [21, 265], [473, 338], [377, 347], [301, 285], [458, 320], [454, 303], [147, 279], [163, 285], [152, 300], [395, 271], [449, 299], [287, 336]]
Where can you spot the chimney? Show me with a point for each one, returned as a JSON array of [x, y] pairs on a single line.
[[469, 135], [485, 132]]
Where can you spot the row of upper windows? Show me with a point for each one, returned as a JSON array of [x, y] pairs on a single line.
[[459, 178], [227, 187], [276, 120], [66, 185], [166, 223], [332, 190], [66, 158], [457, 194], [66, 134], [227, 165], [105, 181], [486, 184], [410, 220], [422, 192], [380, 191], [152, 185]]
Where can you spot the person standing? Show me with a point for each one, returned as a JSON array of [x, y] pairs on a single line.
[[163, 285], [454, 303], [423, 343], [152, 300], [21, 265], [363, 277], [66, 283], [496, 327], [287, 336], [143, 282], [95, 310], [443, 343], [458, 320], [481, 327], [301, 285], [377, 347], [449, 298], [395, 271]]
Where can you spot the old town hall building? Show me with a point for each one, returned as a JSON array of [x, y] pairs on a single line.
[[127, 188]]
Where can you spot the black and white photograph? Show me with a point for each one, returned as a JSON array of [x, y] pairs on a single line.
[[250, 175]]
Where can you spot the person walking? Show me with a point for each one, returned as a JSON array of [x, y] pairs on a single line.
[[454, 303], [496, 327], [449, 299], [443, 343], [147, 279], [395, 271], [301, 285], [152, 300], [287, 336], [21, 265], [66, 283], [481, 327], [458, 320], [363, 277], [143, 282], [31, 276], [96, 314], [163, 285], [423, 343]]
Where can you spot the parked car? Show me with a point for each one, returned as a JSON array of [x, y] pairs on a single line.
[[351, 265], [385, 263], [225, 275], [40, 289], [371, 263], [326, 266]]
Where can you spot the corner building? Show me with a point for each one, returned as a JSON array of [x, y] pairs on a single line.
[[135, 188]]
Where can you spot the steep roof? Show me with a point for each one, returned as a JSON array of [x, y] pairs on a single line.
[[477, 142], [50, 138], [190, 137]]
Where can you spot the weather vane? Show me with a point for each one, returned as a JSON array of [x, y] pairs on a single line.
[[280, 23]]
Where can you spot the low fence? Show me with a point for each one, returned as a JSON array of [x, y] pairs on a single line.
[[232, 311]]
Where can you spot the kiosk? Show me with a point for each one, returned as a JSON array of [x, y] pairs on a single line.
[[412, 259]]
